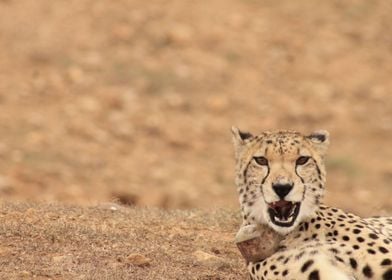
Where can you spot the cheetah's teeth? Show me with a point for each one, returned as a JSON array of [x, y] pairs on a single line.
[[292, 212], [283, 220], [284, 213]]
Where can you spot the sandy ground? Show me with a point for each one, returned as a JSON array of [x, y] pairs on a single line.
[[41, 241]]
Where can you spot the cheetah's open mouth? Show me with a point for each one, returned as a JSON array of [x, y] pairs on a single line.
[[283, 213]]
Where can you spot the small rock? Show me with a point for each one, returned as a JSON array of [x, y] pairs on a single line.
[[139, 260], [210, 260], [109, 206], [58, 259], [63, 260], [25, 274]]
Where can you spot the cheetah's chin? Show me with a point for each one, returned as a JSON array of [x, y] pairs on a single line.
[[284, 213]]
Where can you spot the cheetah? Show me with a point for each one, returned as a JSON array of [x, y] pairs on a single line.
[[280, 178]]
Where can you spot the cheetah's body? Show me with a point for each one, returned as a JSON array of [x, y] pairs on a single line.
[[328, 244], [281, 179]]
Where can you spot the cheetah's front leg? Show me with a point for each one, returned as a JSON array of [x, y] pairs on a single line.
[[297, 265]]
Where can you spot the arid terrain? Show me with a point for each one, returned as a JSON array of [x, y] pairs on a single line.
[[41, 241], [131, 102]]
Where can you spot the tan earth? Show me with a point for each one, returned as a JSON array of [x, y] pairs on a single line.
[[132, 101], [51, 241]]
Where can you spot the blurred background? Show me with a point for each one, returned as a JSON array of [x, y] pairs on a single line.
[[132, 101]]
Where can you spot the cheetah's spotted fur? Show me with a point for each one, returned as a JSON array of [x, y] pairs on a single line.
[[319, 242]]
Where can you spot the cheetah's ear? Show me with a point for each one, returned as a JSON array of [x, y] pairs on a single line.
[[320, 140], [239, 138]]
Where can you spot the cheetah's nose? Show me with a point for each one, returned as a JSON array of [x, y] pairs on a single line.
[[282, 189]]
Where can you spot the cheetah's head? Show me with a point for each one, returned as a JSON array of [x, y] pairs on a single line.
[[280, 176]]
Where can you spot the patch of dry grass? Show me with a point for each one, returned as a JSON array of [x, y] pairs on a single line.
[[54, 241]]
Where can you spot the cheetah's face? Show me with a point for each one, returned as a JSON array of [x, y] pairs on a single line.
[[280, 176]]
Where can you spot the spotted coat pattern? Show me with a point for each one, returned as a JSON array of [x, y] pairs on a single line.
[[323, 242]]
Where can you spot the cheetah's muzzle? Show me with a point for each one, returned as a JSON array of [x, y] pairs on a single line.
[[283, 213]]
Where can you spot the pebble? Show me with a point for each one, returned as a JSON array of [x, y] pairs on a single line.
[[138, 260], [206, 259]]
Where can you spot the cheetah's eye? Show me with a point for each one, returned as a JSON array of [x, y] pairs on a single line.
[[302, 160], [261, 160]]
